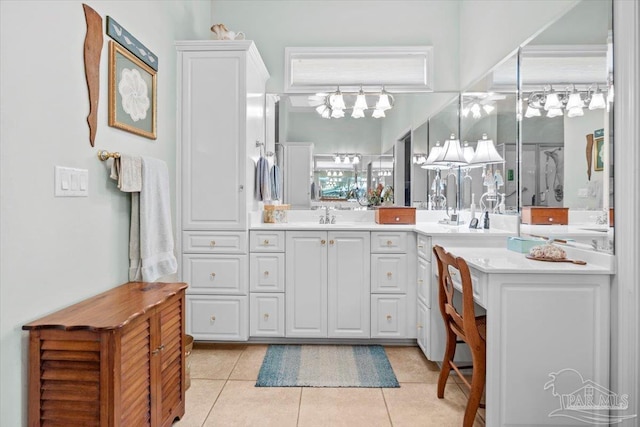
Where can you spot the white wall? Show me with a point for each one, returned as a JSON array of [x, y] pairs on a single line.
[[274, 25], [492, 29], [57, 251]]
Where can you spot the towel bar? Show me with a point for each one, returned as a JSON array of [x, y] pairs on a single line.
[[104, 155]]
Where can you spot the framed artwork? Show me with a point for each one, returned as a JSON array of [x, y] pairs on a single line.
[[598, 146], [132, 93]]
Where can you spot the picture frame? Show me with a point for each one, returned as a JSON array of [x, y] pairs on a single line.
[[598, 148], [132, 93]]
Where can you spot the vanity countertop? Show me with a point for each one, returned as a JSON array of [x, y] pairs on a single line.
[[504, 261], [568, 231]]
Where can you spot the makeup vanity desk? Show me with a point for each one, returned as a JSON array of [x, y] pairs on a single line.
[[542, 318]]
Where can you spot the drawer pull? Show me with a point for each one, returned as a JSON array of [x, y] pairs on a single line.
[[397, 218], [389, 274], [419, 326], [213, 318], [266, 242], [266, 316], [323, 242], [331, 242], [212, 243], [158, 350], [266, 273], [213, 276], [388, 317], [420, 247]]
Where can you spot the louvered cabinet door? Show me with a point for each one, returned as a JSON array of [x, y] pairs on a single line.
[[68, 391], [170, 384], [135, 390]]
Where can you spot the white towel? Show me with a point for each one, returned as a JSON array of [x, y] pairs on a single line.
[[127, 170], [263, 187], [151, 234]]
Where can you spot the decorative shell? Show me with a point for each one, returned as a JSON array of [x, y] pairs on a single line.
[[547, 251]]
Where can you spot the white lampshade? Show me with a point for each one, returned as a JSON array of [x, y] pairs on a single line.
[[555, 112], [486, 152], [337, 114], [575, 112], [552, 102], [326, 114], [336, 159], [378, 114], [451, 154], [357, 113], [597, 101], [321, 109], [431, 158], [361, 101], [532, 112], [475, 111], [337, 100], [468, 152], [356, 159], [488, 108], [575, 101], [384, 103], [346, 160]]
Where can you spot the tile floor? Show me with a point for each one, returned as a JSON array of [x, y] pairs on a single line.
[[223, 393]]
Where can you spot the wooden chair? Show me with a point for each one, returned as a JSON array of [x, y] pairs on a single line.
[[465, 327]]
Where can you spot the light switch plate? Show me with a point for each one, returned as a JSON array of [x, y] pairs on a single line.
[[71, 182]]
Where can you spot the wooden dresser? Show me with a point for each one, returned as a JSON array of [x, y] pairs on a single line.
[[116, 359]]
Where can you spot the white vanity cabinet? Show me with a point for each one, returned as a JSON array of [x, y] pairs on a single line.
[[327, 284], [266, 272], [221, 98], [393, 313]]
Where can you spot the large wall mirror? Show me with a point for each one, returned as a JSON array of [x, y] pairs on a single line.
[[566, 132]]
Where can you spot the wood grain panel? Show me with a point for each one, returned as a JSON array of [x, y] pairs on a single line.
[[135, 374]]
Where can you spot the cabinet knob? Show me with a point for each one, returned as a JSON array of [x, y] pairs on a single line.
[[266, 242], [331, 242], [266, 316], [420, 247], [266, 273], [213, 276], [322, 242], [389, 274], [213, 318], [212, 243], [389, 243], [397, 218], [550, 219], [388, 317], [420, 281], [419, 326]]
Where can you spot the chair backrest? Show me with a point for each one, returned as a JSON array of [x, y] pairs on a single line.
[[449, 264]]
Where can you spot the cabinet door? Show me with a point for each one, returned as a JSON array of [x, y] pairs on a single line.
[[267, 272], [388, 316], [389, 273], [421, 327], [423, 275], [212, 140], [306, 284], [349, 284], [170, 384], [267, 315], [218, 317]]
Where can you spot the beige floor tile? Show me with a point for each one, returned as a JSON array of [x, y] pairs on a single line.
[[418, 405], [410, 365], [199, 399], [249, 364], [215, 362], [243, 404], [342, 407]]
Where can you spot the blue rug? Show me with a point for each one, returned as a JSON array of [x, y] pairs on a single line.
[[326, 366]]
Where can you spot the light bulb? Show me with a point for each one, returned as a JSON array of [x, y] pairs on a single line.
[[554, 112], [378, 114], [552, 102], [361, 101], [532, 112]]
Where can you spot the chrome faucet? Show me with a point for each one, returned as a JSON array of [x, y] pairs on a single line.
[[327, 218]]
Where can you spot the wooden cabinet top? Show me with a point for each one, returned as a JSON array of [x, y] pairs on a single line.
[[109, 310]]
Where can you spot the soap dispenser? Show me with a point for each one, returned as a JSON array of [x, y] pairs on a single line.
[[486, 220]]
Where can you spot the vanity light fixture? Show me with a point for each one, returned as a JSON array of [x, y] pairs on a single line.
[[532, 112], [554, 112], [357, 113], [346, 160], [572, 100], [361, 101], [336, 103], [356, 159], [377, 114]]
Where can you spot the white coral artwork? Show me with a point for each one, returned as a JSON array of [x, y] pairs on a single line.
[[133, 90]]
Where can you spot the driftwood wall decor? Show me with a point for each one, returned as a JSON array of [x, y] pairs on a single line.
[[92, 51]]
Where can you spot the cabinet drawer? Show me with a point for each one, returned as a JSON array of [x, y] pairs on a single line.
[[215, 274], [423, 274], [267, 315], [388, 316], [266, 241], [231, 242], [545, 215], [212, 317], [266, 272], [388, 242], [389, 273], [479, 284], [424, 247]]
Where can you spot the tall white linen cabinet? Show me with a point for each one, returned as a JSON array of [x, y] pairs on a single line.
[[221, 106]]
